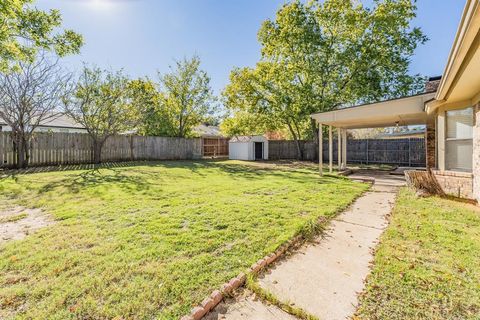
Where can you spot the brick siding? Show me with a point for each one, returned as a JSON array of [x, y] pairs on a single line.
[[430, 145], [457, 184]]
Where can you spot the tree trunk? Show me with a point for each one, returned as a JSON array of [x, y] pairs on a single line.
[[21, 150], [297, 142], [26, 146], [97, 150], [20, 154], [300, 151]]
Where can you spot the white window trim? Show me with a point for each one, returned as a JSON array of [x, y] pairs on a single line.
[[442, 145]]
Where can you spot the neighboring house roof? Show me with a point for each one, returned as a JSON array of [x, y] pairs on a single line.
[[206, 131], [62, 121], [418, 132], [58, 120]]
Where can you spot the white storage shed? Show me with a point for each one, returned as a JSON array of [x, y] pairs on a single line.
[[248, 148]]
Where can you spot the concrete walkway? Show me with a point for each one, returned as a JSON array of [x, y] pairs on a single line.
[[325, 277]]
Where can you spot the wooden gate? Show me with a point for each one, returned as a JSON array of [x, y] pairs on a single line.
[[215, 147]]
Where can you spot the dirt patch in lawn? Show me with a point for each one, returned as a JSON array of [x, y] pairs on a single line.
[[18, 222]]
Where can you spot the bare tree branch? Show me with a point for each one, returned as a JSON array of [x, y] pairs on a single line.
[[29, 97]]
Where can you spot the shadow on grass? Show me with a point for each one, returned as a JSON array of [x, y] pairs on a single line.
[[117, 173], [95, 177]]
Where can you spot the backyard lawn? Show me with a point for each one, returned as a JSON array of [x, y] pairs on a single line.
[[427, 265], [151, 240]]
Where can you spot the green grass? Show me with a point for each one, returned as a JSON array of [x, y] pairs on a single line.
[[13, 218], [428, 263], [152, 240]]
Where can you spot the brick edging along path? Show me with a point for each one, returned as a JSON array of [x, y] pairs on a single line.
[[209, 303]]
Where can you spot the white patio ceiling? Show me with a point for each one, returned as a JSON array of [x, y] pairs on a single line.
[[403, 111]]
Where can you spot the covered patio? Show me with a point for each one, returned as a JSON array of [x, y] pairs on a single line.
[[397, 112]]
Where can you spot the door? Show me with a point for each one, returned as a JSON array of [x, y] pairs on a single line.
[[258, 150]]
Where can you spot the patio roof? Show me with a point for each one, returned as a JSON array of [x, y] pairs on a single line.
[[403, 111]]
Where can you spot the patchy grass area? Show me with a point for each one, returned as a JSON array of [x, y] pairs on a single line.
[[427, 265], [13, 218], [152, 240]]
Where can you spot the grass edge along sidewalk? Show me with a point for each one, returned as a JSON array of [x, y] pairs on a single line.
[[426, 265]]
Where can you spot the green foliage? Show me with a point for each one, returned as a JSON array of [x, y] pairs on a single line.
[[322, 55], [185, 99], [426, 266], [151, 240], [145, 99], [24, 30], [245, 123], [13, 218], [102, 102]]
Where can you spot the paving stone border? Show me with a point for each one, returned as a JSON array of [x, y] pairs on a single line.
[[209, 303]]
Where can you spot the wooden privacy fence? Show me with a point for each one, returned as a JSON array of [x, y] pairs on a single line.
[[402, 152], [287, 149], [76, 148]]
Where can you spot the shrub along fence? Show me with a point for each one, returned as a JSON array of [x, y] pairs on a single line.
[[76, 148], [403, 152]]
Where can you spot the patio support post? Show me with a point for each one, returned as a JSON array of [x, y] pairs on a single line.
[[330, 149], [344, 149], [339, 147], [320, 149], [441, 125]]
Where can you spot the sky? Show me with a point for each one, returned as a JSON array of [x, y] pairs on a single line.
[[146, 36]]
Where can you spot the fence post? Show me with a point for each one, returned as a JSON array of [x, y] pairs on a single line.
[[367, 150], [409, 152]]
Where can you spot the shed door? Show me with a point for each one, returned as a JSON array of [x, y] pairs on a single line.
[[258, 150]]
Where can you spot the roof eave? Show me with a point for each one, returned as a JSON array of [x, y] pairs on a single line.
[[465, 36]]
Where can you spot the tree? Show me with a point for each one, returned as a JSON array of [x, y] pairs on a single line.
[[101, 101], [29, 97], [324, 55], [244, 123], [145, 99], [24, 30], [185, 100]]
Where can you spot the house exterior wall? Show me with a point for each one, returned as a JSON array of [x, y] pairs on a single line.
[[457, 184], [430, 145], [476, 153]]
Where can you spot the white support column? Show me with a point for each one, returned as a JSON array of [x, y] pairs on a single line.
[[320, 149], [344, 149], [441, 140], [330, 148], [339, 147]]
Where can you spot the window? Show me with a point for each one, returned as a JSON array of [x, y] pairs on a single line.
[[459, 140]]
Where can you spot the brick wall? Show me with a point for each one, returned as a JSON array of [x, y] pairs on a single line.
[[457, 184], [476, 153], [430, 145]]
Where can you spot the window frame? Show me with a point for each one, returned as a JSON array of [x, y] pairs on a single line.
[[447, 139]]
